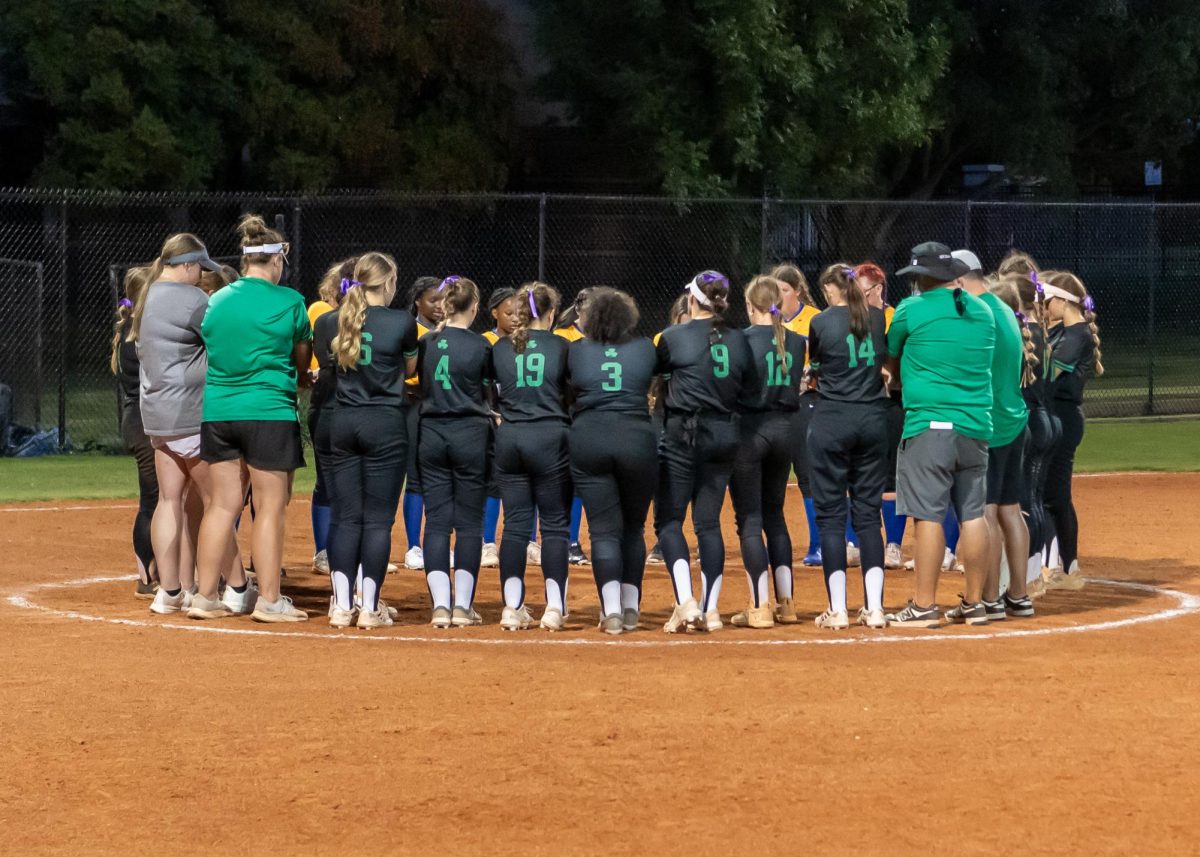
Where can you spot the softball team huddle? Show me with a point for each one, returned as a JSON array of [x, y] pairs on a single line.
[[963, 403]]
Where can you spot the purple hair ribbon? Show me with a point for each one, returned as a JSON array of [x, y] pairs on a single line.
[[1020, 316], [1034, 277], [453, 278], [1089, 305], [849, 273], [348, 284], [774, 310], [125, 302], [713, 276], [533, 306]]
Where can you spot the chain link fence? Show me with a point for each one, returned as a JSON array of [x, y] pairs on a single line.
[[63, 255]]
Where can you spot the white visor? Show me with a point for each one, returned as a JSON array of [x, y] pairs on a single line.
[[1055, 292], [269, 249]]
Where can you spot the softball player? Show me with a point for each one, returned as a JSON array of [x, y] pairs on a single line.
[[571, 329], [1076, 357], [126, 367], [847, 440], [610, 375], [259, 346], [677, 315], [758, 485], [503, 311], [532, 468], [705, 364], [425, 304], [320, 396], [798, 310], [374, 348], [453, 368]]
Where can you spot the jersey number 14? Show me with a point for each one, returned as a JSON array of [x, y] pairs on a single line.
[[865, 351]]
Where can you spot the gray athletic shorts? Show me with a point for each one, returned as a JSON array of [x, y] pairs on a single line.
[[938, 467]]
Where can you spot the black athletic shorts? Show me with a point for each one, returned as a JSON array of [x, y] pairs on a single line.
[[264, 444], [1006, 470]]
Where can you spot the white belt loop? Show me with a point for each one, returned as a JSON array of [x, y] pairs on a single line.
[[935, 424]]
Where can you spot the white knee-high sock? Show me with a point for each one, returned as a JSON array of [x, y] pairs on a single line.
[[630, 597], [370, 595], [341, 590], [514, 593], [554, 597], [464, 589], [681, 573], [783, 582], [759, 592], [708, 596], [837, 591], [610, 598], [439, 588], [872, 588]]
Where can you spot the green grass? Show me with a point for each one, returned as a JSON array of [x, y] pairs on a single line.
[[1166, 445]]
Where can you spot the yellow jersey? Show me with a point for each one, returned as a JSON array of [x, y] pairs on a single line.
[[888, 312], [802, 319], [571, 334], [657, 337], [421, 331], [318, 309], [491, 336]]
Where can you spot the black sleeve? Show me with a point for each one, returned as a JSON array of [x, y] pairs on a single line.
[[409, 344], [813, 345], [662, 361]]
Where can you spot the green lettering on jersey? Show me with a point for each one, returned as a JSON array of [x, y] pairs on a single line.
[[442, 371], [779, 372], [364, 351], [531, 369], [720, 356], [865, 351]]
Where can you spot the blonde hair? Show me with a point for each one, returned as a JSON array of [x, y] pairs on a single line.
[[458, 295], [844, 278], [176, 245], [372, 273], [1068, 282], [763, 295], [136, 280], [1007, 289], [253, 231], [329, 289], [1017, 262], [794, 277], [541, 295]]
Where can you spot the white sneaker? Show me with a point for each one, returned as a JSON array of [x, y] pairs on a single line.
[[552, 620], [240, 603], [712, 621], [872, 618], [490, 557], [948, 562], [380, 618], [533, 554], [853, 557], [392, 568], [321, 563], [277, 611], [164, 604], [891, 556], [208, 608], [684, 616], [462, 617], [832, 621], [339, 618], [415, 559], [516, 620]]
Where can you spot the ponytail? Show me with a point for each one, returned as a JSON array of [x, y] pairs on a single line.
[[534, 300], [176, 245], [135, 284], [372, 272], [714, 286], [845, 279], [1068, 282], [458, 295], [254, 232], [763, 295], [1007, 289]]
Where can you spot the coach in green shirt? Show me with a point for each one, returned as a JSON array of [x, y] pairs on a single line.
[[1006, 452], [941, 341]]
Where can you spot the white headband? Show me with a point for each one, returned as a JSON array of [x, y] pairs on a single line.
[[1055, 292], [270, 249], [700, 297]]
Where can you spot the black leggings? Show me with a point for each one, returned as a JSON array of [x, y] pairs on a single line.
[[453, 458], [369, 447], [616, 483], [1060, 508], [1037, 454], [533, 475], [800, 422], [758, 488], [696, 454], [136, 442], [847, 444], [319, 434]]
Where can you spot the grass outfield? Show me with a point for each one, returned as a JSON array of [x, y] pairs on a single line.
[[1108, 446]]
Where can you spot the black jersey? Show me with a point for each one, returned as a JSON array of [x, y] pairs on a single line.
[[612, 377], [324, 331], [1035, 392], [530, 385], [389, 338], [1073, 357], [129, 381], [703, 375], [454, 369], [774, 384], [847, 369]]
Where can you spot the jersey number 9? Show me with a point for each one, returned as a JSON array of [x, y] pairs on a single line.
[[720, 356]]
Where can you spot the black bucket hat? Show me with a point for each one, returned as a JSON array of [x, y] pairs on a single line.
[[936, 261]]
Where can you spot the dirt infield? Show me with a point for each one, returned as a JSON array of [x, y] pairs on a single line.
[[131, 739]]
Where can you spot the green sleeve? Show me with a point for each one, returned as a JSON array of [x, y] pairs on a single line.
[[898, 332]]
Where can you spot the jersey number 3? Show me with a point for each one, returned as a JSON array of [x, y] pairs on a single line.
[[866, 351], [613, 384]]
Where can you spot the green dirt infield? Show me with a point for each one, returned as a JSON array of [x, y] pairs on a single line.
[[1109, 445]]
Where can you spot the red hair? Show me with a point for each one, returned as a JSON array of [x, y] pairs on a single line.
[[872, 272]]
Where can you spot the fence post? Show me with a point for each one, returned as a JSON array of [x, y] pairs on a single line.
[[764, 226], [967, 225], [542, 238], [40, 271], [62, 326], [1152, 268], [297, 277]]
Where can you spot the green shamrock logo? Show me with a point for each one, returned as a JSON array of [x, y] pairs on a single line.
[[610, 352], [443, 344]]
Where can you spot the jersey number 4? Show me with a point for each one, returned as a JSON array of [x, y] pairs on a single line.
[[441, 372], [865, 351], [531, 369]]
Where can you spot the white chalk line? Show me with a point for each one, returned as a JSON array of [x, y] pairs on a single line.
[[1186, 604]]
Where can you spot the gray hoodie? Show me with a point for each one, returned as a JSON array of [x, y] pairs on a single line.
[[173, 359]]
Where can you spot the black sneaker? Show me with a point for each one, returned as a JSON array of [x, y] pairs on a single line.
[[967, 614], [655, 557], [576, 556], [995, 610], [913, 616], [146, 590], [1020, 607]]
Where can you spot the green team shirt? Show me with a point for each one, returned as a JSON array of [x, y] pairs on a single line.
[[1009, 412], [250, 331], [945, 362]]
